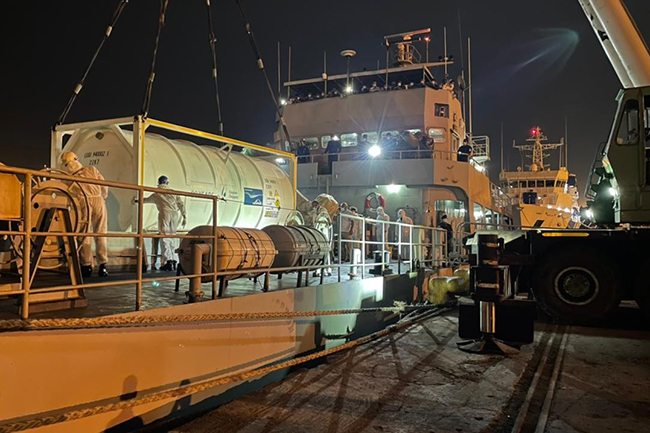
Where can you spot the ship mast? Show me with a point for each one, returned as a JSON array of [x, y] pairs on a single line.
[[538, 147]]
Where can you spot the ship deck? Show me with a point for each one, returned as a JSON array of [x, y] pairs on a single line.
[[416, 380], [121, 299]]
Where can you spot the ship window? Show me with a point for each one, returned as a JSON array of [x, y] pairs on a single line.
[[522, 184], [540, 184], [531, 184], [550, 183], [442, 110], [438, 134], [628, 129], [312, 142], [373, 137], [349, 140], [514, 184], [395, 135], [324, 140]]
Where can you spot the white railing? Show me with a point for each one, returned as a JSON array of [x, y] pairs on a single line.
[[417, 246]]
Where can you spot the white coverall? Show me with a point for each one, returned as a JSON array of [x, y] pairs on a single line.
[[98, 219], [169, 206], [406, 237]]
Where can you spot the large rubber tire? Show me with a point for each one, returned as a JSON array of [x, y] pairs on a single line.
[[642, 286], [576, 285]]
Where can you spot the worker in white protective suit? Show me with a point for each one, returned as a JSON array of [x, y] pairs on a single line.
[[97, 220], [169, 207]]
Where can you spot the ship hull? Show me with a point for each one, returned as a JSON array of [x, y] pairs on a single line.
[[50, 372]]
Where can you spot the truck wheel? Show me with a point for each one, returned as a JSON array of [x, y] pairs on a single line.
[[642, 286], [576, 285]]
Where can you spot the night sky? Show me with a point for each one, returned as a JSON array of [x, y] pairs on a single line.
[[534, 62]]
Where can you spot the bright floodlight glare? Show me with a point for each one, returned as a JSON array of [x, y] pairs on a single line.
[[283, 102], [392, 188], [280, 160], [335, 138], [374, 151], [613, 192], [590, 214], [566, 209], [348, 89]]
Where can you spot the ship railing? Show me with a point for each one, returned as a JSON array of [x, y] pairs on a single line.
[[415, 245], [481, 147], [24, 231], [389, 154]]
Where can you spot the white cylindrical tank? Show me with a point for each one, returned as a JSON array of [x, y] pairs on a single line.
[[257, 192]]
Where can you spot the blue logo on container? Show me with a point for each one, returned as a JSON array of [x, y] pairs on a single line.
[[253, 197]]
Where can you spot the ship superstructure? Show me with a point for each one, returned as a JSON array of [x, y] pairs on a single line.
[[401, 131], [546, 197]]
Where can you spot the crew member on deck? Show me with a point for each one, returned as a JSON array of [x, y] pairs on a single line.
[[465, 152]]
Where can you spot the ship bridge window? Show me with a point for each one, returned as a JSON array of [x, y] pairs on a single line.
[[373, 137], [628, 129], [442, 110], [522, 184], [550, 183], [312, 142], [349, 140], [438, 134], [531, 184], [324, 140], [572, 181], [514, 184], [540, 184]]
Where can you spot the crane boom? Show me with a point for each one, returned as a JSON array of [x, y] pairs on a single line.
[[621, 40]]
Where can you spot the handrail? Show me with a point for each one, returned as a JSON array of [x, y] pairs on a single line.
[[435, 243]]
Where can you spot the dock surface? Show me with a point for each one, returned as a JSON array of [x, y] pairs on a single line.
[[572, 379]]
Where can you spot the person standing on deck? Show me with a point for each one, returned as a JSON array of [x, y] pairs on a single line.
[[346, 231], [169, 206], [444, 224], [382, 216], [333, 150], [406, 233], [97, 220]]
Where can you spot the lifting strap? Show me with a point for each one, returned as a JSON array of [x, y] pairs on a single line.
[[116, 16], [213, 50], [260, 65], [152, 74]]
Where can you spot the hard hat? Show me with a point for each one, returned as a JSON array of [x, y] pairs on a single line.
[[163, 180], [67, 157]]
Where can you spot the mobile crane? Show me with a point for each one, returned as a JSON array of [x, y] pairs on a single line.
[[581, 275]]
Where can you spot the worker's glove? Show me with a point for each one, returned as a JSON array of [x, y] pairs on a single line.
[[184, 221]]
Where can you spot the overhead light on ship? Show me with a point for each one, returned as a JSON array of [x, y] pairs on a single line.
[[280, 160], [348, 89], [613, 192], [567, 210], [589, 214], [393, 189], [283, 102], [374, 151]]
